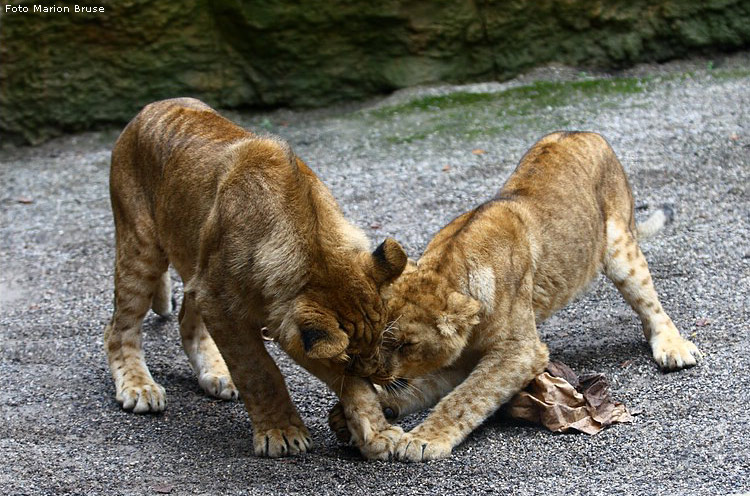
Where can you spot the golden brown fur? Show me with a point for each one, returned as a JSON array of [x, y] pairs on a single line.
[[259, 241], [466, 315]]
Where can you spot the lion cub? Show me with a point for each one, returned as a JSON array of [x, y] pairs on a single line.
[[466, 315], [259, 241]]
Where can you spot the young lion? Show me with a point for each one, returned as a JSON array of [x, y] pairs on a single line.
[[259, 241], [466, 316]]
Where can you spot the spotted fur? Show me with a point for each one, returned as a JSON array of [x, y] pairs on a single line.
[[467, 314]]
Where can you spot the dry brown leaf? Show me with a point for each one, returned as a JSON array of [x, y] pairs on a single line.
[[559, 369], [478, 151], [552, 400]]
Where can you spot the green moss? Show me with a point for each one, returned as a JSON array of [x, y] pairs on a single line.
[[72, 72], [467, 114], [538, 94], [736, 73]]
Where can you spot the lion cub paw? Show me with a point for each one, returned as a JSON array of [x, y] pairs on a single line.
[[274, 443], [218, 386], [382, 444], [337, 424], [413, 448], [143, 398], [674, 352]]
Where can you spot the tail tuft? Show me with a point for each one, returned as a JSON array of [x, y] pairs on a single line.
[[654, 224]]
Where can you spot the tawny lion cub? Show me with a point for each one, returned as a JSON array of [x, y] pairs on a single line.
[[466, 316], [259, 241]]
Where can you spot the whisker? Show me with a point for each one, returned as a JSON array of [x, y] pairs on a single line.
[[403, 387], [414, 391], [392, 325], [333, 384]]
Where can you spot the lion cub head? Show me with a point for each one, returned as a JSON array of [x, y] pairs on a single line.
[[428, 326], [340, 312]]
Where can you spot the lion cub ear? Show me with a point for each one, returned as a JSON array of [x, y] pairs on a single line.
[[387, 262], [319, 332], [460, 316]]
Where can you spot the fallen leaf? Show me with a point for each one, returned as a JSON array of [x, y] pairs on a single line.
[[552, 400], [478, 151], [25, 200], [559, 369], [446, 168]]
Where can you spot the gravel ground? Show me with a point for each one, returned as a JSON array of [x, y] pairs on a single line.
[[403, 169]]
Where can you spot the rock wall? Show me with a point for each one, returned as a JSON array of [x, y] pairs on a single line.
[[70, 71]]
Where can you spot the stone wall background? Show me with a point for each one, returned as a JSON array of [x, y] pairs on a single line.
[[66, 72]]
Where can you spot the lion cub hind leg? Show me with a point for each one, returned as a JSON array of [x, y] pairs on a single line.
[[139, 265], [162, 303], [205, 359], [626, 267]]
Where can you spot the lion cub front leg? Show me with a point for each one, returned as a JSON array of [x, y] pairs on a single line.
[[497, 377], [278, 429], [626, 267], [403, 398], [367, 427], [397, 401], [205, 359]]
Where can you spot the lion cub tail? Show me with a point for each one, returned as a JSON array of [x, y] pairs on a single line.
[[654, 224]]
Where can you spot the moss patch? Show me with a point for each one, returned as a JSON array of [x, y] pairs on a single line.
[[468, 114], [538, 94], [71, 72]]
